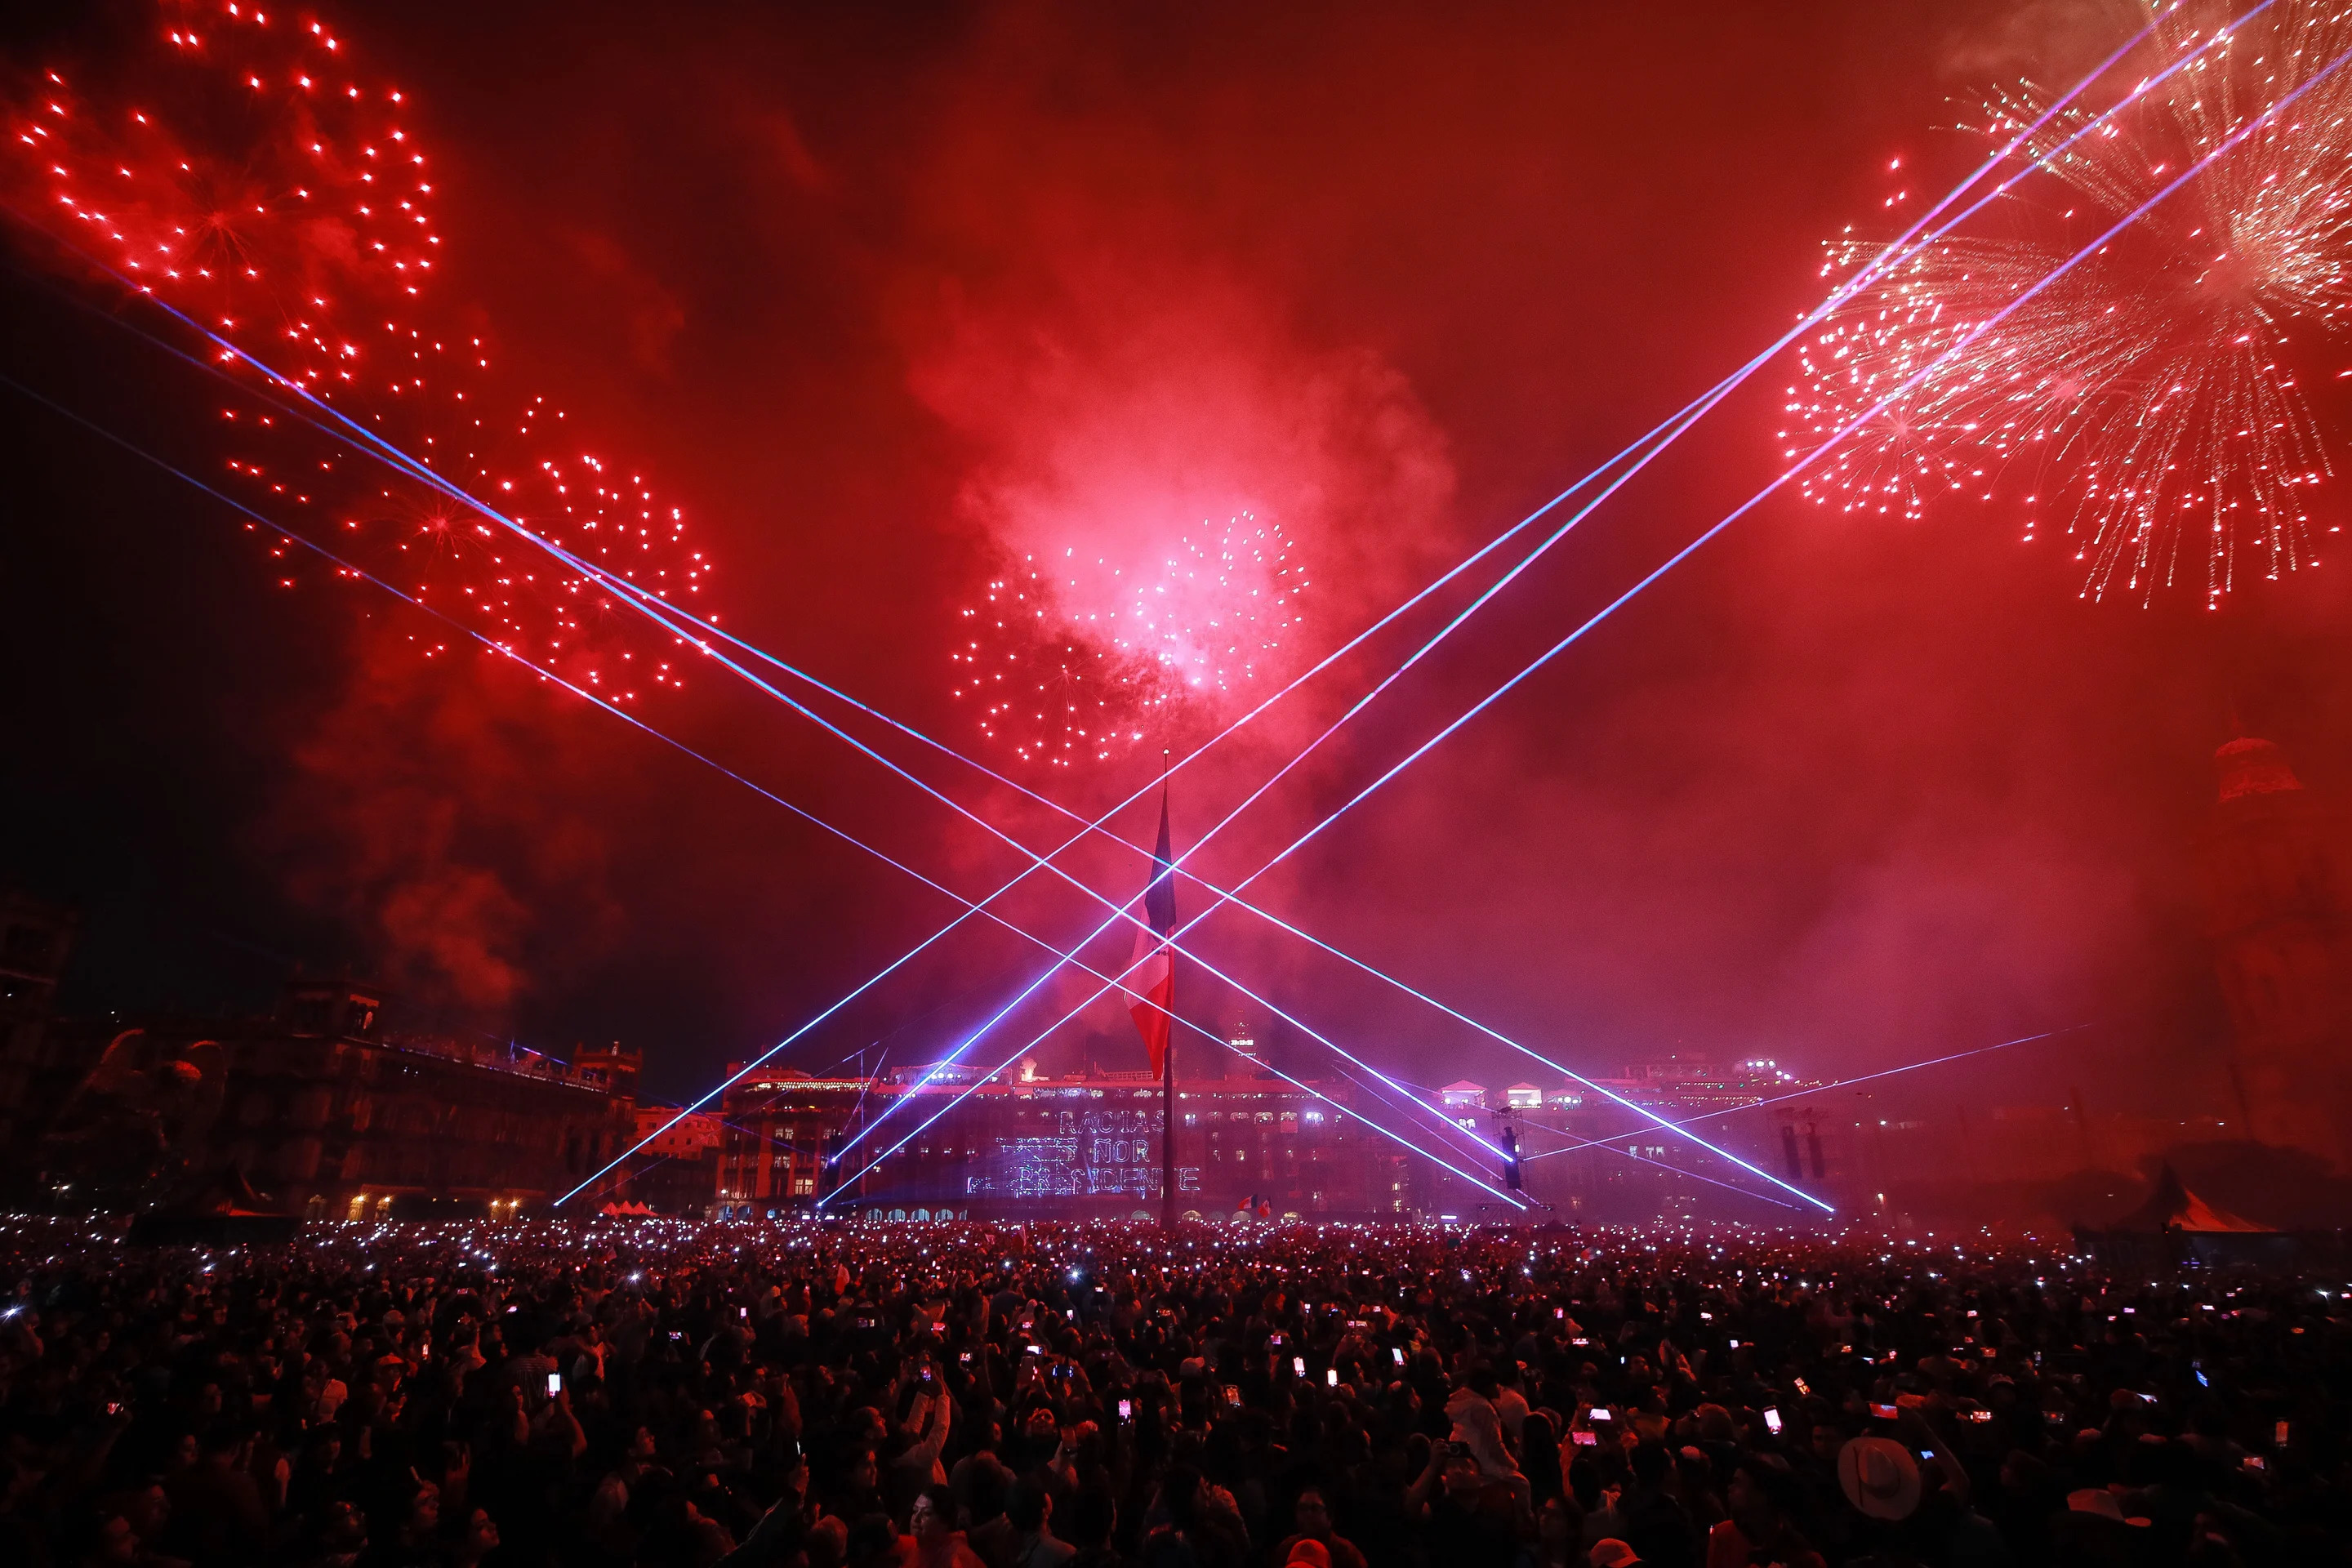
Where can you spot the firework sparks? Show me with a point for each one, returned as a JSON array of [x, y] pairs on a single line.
[[232, 163], [232, 166], [1073, 659], [528, 467], [2153, 403]]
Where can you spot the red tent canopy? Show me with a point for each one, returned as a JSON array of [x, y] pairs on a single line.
[[2172, 1207]]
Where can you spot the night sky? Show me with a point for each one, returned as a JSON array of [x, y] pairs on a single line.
[[882, 294]]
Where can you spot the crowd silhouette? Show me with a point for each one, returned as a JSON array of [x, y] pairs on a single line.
[[1104, 1396]]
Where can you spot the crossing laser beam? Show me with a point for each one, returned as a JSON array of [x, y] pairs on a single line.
[[360, 572], [1795, 1094], [2188, 173], [624, 589]]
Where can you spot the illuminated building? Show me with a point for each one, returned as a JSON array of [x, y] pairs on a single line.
[[775, 1126], [1634, 1169], [1022, 1145]]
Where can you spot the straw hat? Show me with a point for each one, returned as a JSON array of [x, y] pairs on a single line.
[[1880, 1476], [2102, 1502]]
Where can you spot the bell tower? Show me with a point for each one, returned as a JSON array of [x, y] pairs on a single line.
[[2272, 866]]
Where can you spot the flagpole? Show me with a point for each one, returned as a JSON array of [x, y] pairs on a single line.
[[1167, 1066]]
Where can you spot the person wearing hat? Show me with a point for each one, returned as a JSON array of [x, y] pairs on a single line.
[[1879, 1478], [1930, 1512], [2100, 1503]]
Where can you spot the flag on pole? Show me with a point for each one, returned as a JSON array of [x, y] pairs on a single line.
[[1151, 975]]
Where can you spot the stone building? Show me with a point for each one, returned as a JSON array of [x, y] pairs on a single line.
[[36, 937], [330, 1116], [2272, 864]]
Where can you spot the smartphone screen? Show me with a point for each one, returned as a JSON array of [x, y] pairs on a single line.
[[1233, 1394], [1883, 1412], [1584, 1439], [1127, 1409], [1399, 1354], [1772, 1422], [1597, 1414], [966, 1358], [2278, 1435], [554, 1383], [1299, 1366], [1804, 1387]]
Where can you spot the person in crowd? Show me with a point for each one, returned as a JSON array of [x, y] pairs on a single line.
[[1312, 1515], [1762, 1503], [835, 1394], [1022, 1536]]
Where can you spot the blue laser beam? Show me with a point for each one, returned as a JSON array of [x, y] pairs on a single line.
[[357, 570], [2190, 171], [969, 1089], [1803, 1093], [1672, 428], [667, 614], [662, 612]]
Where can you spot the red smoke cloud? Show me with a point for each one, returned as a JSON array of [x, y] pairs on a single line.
[[882, 309], [1129, 396], [1127, 417], [426, 809]]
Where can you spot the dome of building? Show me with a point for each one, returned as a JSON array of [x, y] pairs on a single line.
[[2249, 766]]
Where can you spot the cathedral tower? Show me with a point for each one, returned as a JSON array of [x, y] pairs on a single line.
[[2271, 858]]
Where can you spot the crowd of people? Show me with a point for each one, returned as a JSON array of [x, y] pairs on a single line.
[[1103, 1396]]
